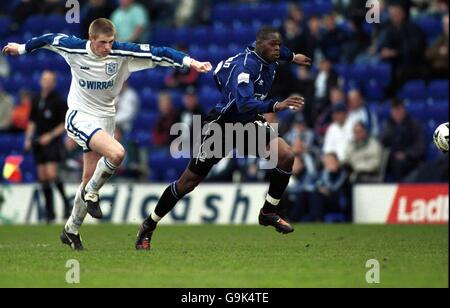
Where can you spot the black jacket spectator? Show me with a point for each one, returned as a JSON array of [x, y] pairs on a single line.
[[405, 138]]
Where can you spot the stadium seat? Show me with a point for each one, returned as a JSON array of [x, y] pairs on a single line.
[[382, 110], [437, 111], [209, 97], [145, 121], [373, 90], [417, 109], [381, 73], [413, 90], [432, 152], [431, 27], [438, 89], [143, 138], [35, 24], [334, 217], [55, 23], [5, 22]]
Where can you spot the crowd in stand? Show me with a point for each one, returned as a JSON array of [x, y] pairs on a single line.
[[339, 138]]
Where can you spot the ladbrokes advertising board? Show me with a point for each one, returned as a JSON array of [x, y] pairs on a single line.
[[401, 204]]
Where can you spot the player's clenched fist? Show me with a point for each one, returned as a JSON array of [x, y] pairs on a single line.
[[11, 49], [201, 67]]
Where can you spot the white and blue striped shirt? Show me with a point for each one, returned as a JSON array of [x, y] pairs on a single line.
[[96, 82]]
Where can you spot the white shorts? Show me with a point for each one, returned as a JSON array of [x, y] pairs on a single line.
[[81, 127]]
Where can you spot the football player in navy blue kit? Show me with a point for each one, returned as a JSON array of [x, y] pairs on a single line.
[[244, 81]]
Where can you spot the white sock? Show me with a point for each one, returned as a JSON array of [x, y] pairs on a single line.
[[155, 217], [104, 171], [78, 214], [272, 201]]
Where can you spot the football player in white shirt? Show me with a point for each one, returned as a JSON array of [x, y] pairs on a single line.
[[99, 67]]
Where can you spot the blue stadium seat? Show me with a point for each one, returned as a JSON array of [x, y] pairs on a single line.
[[382, 110], [55, 23], [148, 99], [137, 80], [334, 217], [28, 168], [5, 22], [432, 152], [382, 73], [413, 90], [417, 109], [373, 90], [359, 72], [438, 89], [145, 121], [207, 80], [177, 99], [157, 163], [11, 143], [143, 138], [431, 26], [437, 110], [209, 97], [34, 24], [163, 37], [155, 79]]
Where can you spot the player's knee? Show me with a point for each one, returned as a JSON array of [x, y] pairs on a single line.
[[287, 159], [187, 186], [117, 156]]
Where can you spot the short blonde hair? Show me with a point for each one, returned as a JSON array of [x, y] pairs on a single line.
[[101, 26]]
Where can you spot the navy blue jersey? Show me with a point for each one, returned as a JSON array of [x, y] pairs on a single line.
[[244, 82]]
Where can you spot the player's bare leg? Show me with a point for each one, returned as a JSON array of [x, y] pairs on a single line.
[[107, 155], [177, 190], [279, 179]]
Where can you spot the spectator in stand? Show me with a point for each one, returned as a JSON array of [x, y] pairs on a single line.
[[168, 117], [333, 192], [131, 21], [339, 133], [312, 39], [299, 130], [333, 40], [403, 46], [404, 137], [296, 14], [182, 78], [127, 106], [191, 108], [337, 96], [326, 79], [363, 155], [21, 112], [299, 191], [292, 34], [6, 107], [437, 54], [360, 112]]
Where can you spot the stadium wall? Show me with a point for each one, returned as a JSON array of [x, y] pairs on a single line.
[[230, 204]]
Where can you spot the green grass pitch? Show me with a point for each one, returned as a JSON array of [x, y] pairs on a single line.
[[210, 256]]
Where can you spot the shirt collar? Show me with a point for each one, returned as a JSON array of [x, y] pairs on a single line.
[[89, 49]]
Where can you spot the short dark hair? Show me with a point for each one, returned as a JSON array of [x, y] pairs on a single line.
[[265, 32], [396, 103]]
